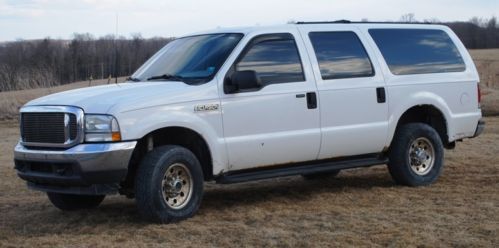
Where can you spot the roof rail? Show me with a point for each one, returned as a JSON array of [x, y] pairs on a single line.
[[348, 22], [325, 22]]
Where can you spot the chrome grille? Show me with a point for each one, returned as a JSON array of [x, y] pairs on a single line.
[[51, 126], [73, 127], [43, 127]]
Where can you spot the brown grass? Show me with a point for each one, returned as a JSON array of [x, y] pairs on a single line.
[[361, 207], [487, 63], [11, 101]]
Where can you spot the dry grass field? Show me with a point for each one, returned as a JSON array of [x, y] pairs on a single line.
[[361, 207], [487, 63], [11, 101]]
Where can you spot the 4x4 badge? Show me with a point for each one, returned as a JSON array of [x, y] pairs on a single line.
[[206, 107]]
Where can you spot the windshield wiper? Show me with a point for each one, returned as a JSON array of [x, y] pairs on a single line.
[[133, 79], [167, 77]]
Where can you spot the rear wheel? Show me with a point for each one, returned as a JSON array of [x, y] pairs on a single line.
[[321, 176], [169, 184], [416, 155], [69, 202]]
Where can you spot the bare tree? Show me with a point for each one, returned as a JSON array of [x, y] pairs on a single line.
[[48, 62], [431, 20], [409, 17], [492, 23]]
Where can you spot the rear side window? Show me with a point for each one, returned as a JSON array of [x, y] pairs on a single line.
[[274, 60], [341, 55], [417, 51]]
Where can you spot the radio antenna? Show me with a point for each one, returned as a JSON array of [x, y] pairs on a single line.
[[116, 51]]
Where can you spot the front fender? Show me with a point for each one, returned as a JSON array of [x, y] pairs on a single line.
[[136, 124]]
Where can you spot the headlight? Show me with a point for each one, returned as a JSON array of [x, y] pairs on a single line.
[[99, 128]]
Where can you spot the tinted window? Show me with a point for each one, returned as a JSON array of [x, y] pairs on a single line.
[[415, 51], [275, 61], [340, 55]]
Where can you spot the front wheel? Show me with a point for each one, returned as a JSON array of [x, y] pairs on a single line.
[[169, 184], [70, 202], [416, 155]]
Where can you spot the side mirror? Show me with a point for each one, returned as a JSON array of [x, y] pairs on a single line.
[[243, 80]]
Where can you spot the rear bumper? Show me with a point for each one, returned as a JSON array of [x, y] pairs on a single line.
[[479, 128], [83, 169]]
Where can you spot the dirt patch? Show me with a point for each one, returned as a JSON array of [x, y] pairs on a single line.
[[361, 207]]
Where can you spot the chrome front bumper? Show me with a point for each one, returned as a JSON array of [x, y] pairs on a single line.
[[82, 166]]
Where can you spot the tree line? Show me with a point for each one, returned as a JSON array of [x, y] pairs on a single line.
[[477, 33], [49, 62], [28, 64]]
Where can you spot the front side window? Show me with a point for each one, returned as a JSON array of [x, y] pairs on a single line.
[[274, 60], [417, 51], [341, 55], [193, 59]]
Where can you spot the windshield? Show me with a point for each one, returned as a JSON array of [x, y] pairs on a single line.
[[193, 59]]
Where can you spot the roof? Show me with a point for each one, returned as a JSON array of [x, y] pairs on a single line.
[[361, 22], [246, 30]]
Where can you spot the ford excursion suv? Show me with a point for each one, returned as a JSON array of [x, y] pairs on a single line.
[[241, 104]]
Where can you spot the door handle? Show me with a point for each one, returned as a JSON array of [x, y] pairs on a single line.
[[311, 100], [380, 94], [300, 95]]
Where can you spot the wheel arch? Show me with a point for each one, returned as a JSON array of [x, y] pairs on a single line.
[[170, 135], [429, 114]]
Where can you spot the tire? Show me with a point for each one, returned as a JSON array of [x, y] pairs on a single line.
[[416, 156], [321, 176], [169, 185], [70, 202]]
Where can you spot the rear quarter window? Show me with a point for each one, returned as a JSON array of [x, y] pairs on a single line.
[[341, 55], [418, 51]]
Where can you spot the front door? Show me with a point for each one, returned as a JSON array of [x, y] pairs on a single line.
[[278, 122]]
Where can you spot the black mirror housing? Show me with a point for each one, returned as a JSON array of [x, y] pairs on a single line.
[[244, 80]]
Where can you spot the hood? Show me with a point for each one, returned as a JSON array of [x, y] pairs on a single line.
[[119, 97]]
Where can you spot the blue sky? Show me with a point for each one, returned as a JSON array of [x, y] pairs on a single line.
[[35, 19]]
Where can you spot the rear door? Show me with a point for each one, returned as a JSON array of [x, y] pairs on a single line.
[[273, 124], [351, 88]]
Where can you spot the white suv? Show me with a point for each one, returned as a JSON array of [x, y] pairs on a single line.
[[241, 104]]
